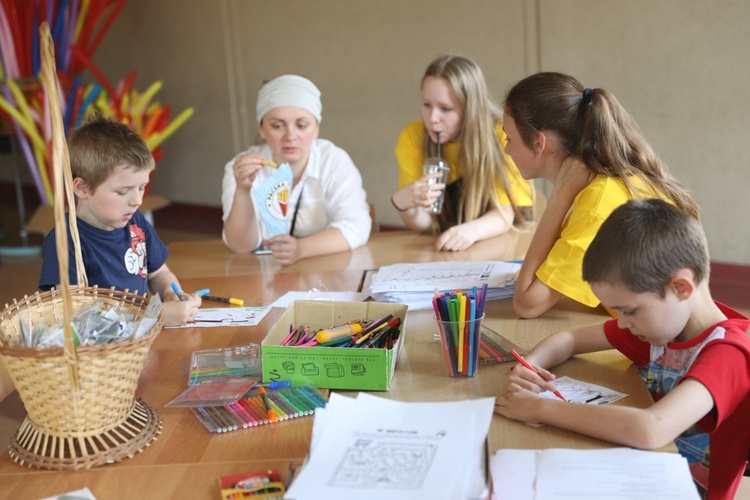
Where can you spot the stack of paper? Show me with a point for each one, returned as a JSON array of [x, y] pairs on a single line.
[[375, 448], [615, 473], [415, 284]]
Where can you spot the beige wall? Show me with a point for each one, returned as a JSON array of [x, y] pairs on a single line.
[[679, 66]]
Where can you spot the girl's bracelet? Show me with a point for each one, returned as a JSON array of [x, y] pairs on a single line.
[[396, 206]]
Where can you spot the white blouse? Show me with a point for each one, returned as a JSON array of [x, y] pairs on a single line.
[[329, 194]]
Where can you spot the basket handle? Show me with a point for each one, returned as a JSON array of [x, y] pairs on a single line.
[[63, 181]]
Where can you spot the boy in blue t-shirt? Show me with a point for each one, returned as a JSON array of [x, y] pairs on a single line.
[[111, 166], [649, 263]]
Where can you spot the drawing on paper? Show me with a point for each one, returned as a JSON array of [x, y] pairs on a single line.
[[576, 391], [382, 464]]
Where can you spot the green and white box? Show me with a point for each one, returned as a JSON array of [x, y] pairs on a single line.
[[331, 367]]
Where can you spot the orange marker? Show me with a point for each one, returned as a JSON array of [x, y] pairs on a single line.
[[268, 163], [269, 411]]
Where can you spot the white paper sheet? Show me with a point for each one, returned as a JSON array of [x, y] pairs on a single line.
[[226, 316], [576, 391], [612, 474], [374, 448], [425, 277], [414, 284], [82, 494]]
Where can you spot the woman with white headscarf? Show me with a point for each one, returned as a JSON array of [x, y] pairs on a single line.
[[327, 206]]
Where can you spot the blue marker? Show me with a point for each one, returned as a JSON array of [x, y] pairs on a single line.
[[177, 290], [203, 291], [277, 384]]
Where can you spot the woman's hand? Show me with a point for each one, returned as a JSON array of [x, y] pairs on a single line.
[[245, 169], [284, 248], [419, 193]]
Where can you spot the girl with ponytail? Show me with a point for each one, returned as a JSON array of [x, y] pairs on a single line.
[[585, 143]]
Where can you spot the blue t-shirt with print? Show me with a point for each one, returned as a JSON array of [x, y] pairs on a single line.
[[121, 258]]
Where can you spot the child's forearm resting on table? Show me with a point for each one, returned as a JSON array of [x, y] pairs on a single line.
[[644, 428]]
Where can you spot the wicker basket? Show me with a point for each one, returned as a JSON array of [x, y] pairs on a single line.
[[77, 422], [80, 401]]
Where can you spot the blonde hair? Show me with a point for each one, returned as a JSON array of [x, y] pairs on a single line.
[[481, 154]]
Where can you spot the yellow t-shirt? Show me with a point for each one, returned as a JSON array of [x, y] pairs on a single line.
[[410, 158], [563, 269]]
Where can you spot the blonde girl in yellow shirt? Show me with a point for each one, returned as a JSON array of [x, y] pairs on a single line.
[[583, 142], [484, 189]]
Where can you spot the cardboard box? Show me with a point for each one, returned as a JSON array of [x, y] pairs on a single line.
[[331, 367], [43, 219]]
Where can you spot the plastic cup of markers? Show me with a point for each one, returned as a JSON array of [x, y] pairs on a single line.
[[436, 166], [460, 343]]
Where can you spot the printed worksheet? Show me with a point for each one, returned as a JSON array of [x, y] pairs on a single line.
[[374, 448], [226, 316], [576, 391], [427, 276]]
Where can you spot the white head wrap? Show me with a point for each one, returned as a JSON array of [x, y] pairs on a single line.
[[289, 90]]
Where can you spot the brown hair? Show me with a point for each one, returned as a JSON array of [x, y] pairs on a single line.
[[480, 152], [592, 125], [643, 244], [100, 145]]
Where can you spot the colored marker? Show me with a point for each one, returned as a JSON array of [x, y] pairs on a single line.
[[329, 334], [177, 291], [277, 384], [236, 302], [202, 291], [268, 163], [525, 363], [269, 410]]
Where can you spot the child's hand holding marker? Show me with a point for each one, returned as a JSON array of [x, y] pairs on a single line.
[[181, 311], [532, 378]]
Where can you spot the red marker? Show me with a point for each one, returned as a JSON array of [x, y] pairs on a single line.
[[526, 364]]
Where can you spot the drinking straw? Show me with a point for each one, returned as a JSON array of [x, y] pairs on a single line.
[[438, 145]]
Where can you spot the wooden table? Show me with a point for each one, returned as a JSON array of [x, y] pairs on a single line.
[[198, 259], [186, 461]]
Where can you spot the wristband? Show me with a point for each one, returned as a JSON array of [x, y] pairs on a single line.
[[396, 206]]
